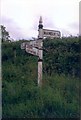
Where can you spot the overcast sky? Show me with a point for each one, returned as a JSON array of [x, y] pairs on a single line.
[[21, 17]]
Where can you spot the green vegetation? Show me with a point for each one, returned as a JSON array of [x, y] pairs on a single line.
[[59, 95], [4, 34]]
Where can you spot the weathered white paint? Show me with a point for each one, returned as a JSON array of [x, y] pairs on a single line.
[[40, 39], [40, 73], [40, 33], [40, 64], [51, 33], [32, 50], [40, 50]]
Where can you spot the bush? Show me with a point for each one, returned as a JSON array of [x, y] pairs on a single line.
[[59, 95]]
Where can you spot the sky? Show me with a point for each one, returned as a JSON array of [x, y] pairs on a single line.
[[21, 17]]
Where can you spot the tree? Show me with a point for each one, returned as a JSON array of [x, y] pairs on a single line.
[[4, 33]]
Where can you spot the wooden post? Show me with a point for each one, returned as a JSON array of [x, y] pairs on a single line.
[[40, 59], [39, 73], [40, 39]]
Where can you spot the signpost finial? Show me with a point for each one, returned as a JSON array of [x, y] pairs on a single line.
[[40, 20]]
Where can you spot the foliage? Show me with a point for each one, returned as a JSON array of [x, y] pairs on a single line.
[[4, 34], [59, 95], [63, 56]]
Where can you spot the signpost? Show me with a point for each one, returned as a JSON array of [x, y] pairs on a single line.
[[36, 47]]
